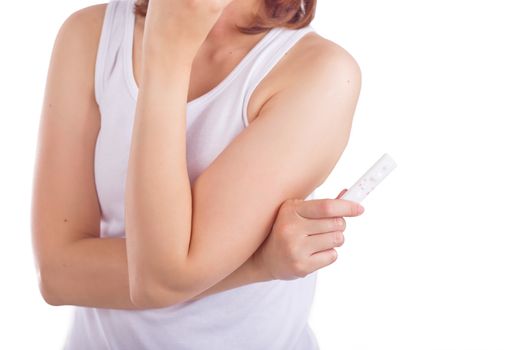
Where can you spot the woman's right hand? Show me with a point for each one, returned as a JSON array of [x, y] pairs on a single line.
[[304, 236], [181, 24]]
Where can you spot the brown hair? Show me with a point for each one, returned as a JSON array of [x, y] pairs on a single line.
[[293, 14]]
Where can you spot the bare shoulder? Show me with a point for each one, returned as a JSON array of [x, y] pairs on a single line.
[[89, 17], [82, 28], [75, 50], [312, 60], [317, 56]]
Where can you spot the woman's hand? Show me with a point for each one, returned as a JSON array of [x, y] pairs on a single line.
[[186, 22], [304, 236]]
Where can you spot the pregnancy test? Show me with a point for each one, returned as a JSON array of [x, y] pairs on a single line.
[[370, 179]]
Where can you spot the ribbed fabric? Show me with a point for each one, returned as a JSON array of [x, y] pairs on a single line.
[[269, 315]]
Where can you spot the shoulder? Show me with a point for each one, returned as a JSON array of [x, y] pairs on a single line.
[[89, 17], [76, 43], [315, 60], [318, 66], [83, 25], [316, 57], [320, 79], [315, 63]]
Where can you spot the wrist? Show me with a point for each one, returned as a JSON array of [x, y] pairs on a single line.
[[160, 48], [261, 272], [164, 60], [169, 76]]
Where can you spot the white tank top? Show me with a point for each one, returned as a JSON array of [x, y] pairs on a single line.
[[270, 315]]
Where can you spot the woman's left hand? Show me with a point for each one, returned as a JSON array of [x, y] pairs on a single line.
[[304, 236], [172, 23]]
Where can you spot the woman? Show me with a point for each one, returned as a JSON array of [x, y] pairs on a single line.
[[206, 178]]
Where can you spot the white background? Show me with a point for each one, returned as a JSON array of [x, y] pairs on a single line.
[[437, 260]]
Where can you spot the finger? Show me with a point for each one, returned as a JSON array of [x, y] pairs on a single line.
[[321, 259], [323, 241], [327, 207], [315, 226]]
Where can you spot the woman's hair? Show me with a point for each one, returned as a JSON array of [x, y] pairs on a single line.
[[293, 14]]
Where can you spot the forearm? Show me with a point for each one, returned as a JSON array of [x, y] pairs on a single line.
[[158, 192], [93, 272], [249, 272]]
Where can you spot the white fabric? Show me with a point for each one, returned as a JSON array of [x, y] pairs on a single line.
[[269, 315]]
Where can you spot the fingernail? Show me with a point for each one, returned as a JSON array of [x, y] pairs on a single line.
[[360, 209]]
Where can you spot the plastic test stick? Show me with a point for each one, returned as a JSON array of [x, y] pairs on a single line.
[[370, 179]]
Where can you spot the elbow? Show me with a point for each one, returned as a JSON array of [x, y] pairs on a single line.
[[150, 288], [144, 297], [151, 295], [47, 288]]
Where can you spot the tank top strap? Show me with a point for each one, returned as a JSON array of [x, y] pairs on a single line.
[[283, 41], [111, 41]]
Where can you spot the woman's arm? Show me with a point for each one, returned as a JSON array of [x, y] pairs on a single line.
[[93, 272], [75, 266], [182, 240]]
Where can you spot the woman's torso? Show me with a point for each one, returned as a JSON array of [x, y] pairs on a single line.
[[265, 315]]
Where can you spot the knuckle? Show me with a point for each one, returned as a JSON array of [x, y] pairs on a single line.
[[354, 209], [339, 223], [294, 252], [288, 202], [288, 228], [338, 238], [293, 201], [328, 207], [300, 269], [290, 205]]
